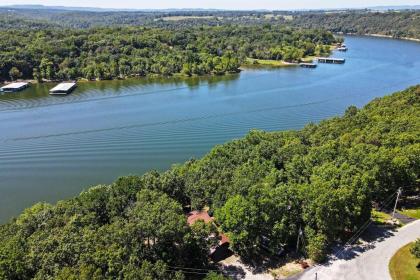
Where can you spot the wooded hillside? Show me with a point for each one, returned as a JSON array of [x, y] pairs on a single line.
[[108, 53]]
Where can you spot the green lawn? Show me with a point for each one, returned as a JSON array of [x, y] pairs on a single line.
[[267, 62], [403, 265], [413, 213], [380, 218]]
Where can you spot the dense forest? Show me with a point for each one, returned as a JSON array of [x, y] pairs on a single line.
[[399, 24], [323, 179], [119, 52], [395, 24]]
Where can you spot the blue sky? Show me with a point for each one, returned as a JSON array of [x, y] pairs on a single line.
[[220, 4]]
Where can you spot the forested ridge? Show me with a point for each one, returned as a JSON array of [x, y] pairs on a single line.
[[323, 179], [119, 52], [396, 24], [399, 24]]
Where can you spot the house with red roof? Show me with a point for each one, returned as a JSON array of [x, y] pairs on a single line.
[[221, 251]]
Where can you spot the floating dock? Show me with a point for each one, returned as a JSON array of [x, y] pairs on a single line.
[[331, 60], [14, 87], [63, 88], [308, 65]]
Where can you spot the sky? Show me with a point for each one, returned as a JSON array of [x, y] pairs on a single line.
[[217, 4]]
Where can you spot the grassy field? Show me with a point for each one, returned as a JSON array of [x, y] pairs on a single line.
[[403, 265], [267, 62], [380, 218], [413, 213], [178, 18]]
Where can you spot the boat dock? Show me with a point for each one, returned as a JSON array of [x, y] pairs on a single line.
[[308, 65], [331, 60], [63, 88], [14, 87]]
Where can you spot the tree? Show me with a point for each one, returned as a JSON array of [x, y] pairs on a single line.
[[14, 73], [415, 249], [317, 245], [36, 75], [46, 68], [239, 219], [157, 221]]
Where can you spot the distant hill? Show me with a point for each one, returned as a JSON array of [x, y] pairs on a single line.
[[395, 8], [63, 8], [97, 9]]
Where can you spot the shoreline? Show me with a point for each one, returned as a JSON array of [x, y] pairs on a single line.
[[83, 80], [383, 36]]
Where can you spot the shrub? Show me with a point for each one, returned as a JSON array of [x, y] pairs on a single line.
[[415, 249]]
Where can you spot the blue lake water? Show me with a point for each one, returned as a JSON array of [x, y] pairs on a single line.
[[52, 148]]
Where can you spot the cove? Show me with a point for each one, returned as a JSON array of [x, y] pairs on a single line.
[[52, 148]]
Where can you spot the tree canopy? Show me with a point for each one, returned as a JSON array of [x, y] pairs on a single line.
[[119, 52]]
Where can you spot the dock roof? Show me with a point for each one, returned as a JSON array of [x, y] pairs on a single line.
[[16, 85], [63, 87]]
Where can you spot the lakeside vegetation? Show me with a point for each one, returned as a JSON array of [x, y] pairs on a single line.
[[322, 179], [110, 53]]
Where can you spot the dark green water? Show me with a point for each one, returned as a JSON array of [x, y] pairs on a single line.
[[51, 148]]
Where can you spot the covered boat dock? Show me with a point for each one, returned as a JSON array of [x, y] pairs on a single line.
[[14, 87], [63, 88], [308, 65], [331, 60]]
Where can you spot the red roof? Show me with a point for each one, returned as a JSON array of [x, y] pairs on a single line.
[[194, 216], [224, 239]]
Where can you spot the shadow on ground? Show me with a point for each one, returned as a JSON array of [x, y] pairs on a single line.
[[234, 272], [373, 235]]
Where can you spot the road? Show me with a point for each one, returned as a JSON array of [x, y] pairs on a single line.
[[369, 262]]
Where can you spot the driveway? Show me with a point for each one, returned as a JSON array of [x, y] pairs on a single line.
[[368, 261]]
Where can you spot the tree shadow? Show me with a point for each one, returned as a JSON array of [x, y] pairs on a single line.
[[373, 235], [234, 272]]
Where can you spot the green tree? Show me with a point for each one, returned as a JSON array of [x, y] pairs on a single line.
[[14, 73], [415, 249], [46, 68]]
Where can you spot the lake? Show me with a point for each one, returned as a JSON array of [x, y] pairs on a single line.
[[52, 148]]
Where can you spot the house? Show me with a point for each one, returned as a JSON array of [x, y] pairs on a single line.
[[219, 252]]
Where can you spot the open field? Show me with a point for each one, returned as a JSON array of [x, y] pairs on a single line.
[[268, 62], [177, 18]]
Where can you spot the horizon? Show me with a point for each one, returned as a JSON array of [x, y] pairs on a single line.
[[215, 5]]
